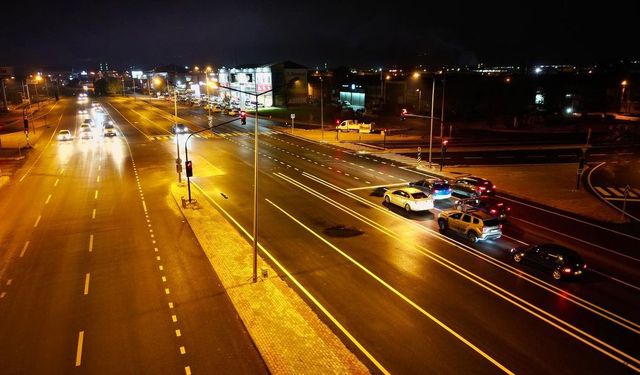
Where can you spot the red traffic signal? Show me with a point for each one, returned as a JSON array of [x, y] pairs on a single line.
[[403, 114], [243, 117], [189, 167]]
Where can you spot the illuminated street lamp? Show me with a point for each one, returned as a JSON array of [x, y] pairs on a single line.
[[255, 176], [624, 85], [206, 74]]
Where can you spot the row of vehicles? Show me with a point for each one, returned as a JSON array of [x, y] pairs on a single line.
[[478, 216], [89, 128]]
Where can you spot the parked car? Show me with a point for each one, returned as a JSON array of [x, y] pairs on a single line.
[[489, 205], [475, 225], [64, 135], [558, 260], [437, 188], [411, 199], [472, 186]]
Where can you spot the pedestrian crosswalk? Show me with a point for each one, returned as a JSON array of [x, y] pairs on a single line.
[[214, 135], [616, 193]]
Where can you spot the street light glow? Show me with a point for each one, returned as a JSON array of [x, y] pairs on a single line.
[[624, 83], [416, 75]]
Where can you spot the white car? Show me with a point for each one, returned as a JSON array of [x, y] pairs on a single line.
[[86, 132], [64, 135], [411, 199]]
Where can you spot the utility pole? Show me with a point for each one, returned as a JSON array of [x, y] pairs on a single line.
[[321, 109], [442, 144], [4, 96], [175, 131], [433, 94]]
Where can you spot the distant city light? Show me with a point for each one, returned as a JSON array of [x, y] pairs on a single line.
[[538, 70], [568, 110]]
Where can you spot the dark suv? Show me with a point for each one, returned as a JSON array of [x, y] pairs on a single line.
[[489, 205], [473, 187], [558, 260]]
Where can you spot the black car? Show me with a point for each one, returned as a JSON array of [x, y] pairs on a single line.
[[179, 129], [490, 205], [439, 189], [558, 260], [473, 187]]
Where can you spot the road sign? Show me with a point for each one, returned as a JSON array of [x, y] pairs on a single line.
[[293, 115]]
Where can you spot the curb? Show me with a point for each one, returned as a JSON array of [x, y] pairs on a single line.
[[288, 333]]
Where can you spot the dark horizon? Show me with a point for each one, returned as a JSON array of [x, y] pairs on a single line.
[[146, 34]]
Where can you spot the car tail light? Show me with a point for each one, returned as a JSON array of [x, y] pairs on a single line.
[[500, 226], [584, 266], [493, 211], [508, 208], [483, 188], [566, 270], [494, 186]]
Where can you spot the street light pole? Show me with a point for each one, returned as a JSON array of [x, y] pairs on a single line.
[[442, 123], [322, 109], [433, 93], [175, 128], [255, 196], [419, 99]]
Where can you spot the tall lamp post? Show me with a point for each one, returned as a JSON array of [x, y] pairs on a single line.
[[419, 99], [433, 96], [206, 75], [624, 88], [321, 108], [255, 177]]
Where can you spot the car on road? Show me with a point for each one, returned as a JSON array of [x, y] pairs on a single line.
[[475, 225], [179, 129], [86, 132], [490, 205], [64, 135], [233, 111], [560, 261], [437, 188], [82, 112], [409, 198], [472, 186], [88, 121], [109, 130]]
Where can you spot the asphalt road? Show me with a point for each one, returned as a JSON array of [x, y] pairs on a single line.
[[418, 300], [99, 272]]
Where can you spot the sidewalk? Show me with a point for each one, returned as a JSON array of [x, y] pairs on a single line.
[[551, 185], [11, 142], [288, 334]]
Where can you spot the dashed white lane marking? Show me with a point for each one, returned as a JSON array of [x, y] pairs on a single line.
[[367, 182], [95, 196], [98, 167], [158, 258], [62, 171], [9, 282], [93, 214], [56, 183], [164, 279], [160, 268], [86, 284], [174, 318], [37, 221], [48, 199], [79, 349], [178, 333], [91, 243], [144, 205], [98, 179], [3, 294], [171, 305], [167, 291], [182, 350], [24, 248]]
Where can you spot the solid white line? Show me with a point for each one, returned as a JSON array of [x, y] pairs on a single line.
[[91, 243], [86, 284], [395, 291], [293, 279], [37, 221], [615, 279], [93, 215], [144, 205], [48, 198], [569, 217], [56, 183], [376, 186], [24, 248], [576, 239], [79, 349]]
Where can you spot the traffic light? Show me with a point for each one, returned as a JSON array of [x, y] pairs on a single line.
[[403, 114], [445, 143], [243, 118], [189, 168], [443, 154]]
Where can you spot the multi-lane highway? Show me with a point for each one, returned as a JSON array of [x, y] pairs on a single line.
[[99, 273], [418, 300]]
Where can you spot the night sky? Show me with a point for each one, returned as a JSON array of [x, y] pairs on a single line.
[[143, 34]]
